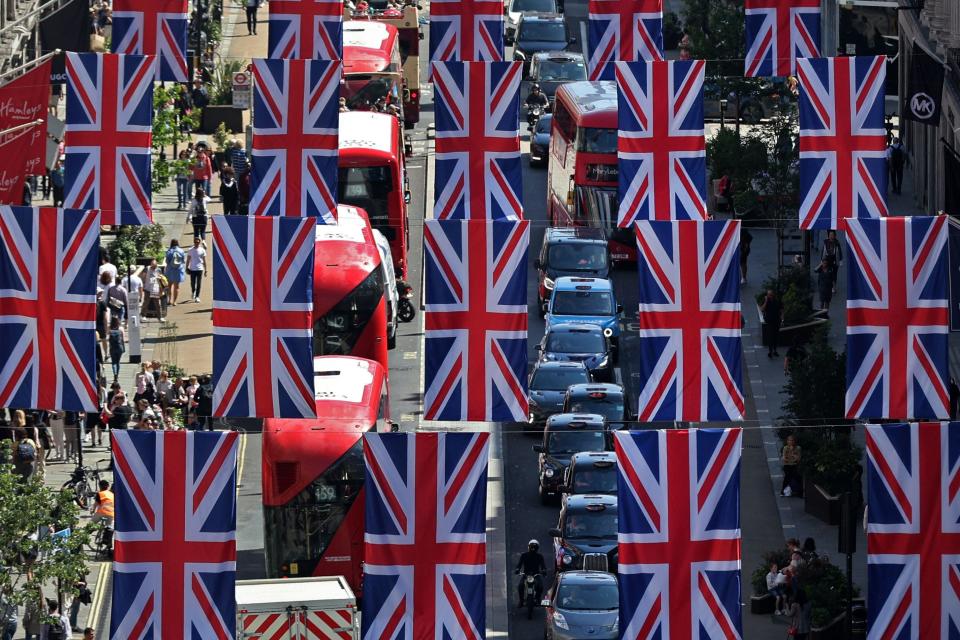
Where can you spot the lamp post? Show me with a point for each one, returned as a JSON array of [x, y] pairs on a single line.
[[723, 111]]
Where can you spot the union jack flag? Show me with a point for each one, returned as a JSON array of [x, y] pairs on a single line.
[[843, 167], [476, 320], [108, 135], [689, 356], [779, 32], [295, 138], [156, 28], [175, 547], [661, 148], [897, 318], [48, 274], [424, 572], [263, 317], [627, 30], [913, 530], [478, 172], [306, 29], [466, 30], [679, 540]]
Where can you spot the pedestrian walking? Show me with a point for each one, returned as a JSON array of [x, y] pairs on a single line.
[[896, 158], [800, 607], [71, 428], [745, 239], [204, 399], [56, 182], [25, 455], [229, 191], [197, 214], [117, 299], [175, 269], [772, 312], [251, 7], [156, 290], [824, 284], [833, 254], [183, 179], [8, 617], [202, 170], [60, 628], [196, 267], [59, 432], [84, 596], [118, 346], [790, 460]]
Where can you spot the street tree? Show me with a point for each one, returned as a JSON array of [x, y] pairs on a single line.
[[41, 539]]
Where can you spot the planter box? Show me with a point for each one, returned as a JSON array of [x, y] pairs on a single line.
[[763, 605], [791, 332], [820, 504], [214, 114]]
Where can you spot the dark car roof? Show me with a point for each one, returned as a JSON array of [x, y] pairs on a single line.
[[574, 234], [580, 501], [574, 327], [586, 577], [569, 421], [589, 457], [586, 388]]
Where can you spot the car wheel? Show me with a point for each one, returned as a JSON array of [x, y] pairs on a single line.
[[392, 341], [541, 307]]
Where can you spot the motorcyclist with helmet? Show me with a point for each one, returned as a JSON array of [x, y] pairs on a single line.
[[531, 563], [536, 97]]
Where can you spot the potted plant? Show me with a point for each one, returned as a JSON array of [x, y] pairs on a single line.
[[220, 110], [833, 469]]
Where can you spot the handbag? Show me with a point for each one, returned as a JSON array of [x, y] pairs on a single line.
[[792, 631]]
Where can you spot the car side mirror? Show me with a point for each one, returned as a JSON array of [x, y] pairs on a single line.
[[537, 448], [518, 55], [554, 532], [538, 347], [619, 308], [406, 197]]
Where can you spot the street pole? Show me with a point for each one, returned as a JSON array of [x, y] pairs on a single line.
[[80, 441]]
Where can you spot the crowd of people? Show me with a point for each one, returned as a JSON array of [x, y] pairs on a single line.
[[785, 584]]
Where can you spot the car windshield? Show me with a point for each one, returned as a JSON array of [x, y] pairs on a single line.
[[575, 441], [601, 596], [591, 524], [593, 140], [562, 70], [543, 32], [582, 303], [577, 257], [543, 6], [543, 124], [575, 342], [558, 379], [595, 480], [610, 408]]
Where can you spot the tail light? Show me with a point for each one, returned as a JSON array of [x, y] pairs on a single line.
[[415, 96]]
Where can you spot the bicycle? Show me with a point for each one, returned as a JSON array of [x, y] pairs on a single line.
[[101, 542], [83, 484]]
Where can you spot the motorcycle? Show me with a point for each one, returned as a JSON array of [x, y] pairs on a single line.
[[533, 116], [530, 597], [405, 310]]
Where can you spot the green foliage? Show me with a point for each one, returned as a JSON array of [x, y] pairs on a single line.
[[834, 464], [815, 388], [221, 84], [169, 130], [796, 306], [793, 287], [135, 241], [715, 29], [221, 135], [32, 565], [672, 30]]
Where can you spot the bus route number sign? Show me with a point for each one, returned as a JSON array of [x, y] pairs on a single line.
[[241, 90]]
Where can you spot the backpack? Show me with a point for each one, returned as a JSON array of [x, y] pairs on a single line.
[[26, 451], [116, 341], [55, 631], [176, 258], [114, 298]]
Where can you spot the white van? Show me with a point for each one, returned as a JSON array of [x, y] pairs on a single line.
[[389, 287]]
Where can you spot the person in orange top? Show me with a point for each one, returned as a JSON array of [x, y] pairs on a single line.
[[202, 170], [103, 505]]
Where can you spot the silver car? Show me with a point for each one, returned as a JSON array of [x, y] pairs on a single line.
[[583, 605]]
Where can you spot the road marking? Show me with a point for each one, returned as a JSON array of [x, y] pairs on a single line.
[[409, 355], [763, 411], [242, 450], [98, 594], [788, 526]]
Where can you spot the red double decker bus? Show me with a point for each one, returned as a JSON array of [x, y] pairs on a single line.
[[372, 68], [313, 473], [350, 316], [582, 168], [372, 175]]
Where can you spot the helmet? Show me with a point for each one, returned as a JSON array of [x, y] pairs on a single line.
[[535, 87], [533, 545]]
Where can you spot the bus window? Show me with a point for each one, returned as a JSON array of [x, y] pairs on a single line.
[[368, 188], [336, 333], [564, 122], [304, 527], [593, 140]]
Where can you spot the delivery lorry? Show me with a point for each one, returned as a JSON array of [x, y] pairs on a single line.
[[318, 608]]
